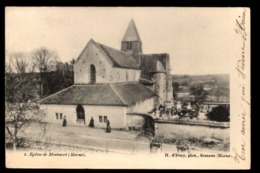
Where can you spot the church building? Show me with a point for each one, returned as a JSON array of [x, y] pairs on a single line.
[[114, 85]]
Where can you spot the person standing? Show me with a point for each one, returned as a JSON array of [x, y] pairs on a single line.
[[64, 123], [91, 123], [108, 129]]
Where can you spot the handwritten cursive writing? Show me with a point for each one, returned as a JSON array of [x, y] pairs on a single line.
[[243, 117], [241, 31], [238, 157]]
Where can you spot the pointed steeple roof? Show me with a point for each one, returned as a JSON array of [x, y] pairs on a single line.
[[131, 33]]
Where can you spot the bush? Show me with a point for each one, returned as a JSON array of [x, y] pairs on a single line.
[[220, 113]]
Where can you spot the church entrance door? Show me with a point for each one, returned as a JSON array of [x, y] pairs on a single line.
[[80, 115]]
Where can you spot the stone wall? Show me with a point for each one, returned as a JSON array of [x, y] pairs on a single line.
[[105, 73], [171, 130], [135, 51], [169, 88], [160, 86]]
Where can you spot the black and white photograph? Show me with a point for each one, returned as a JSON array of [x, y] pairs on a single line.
[[127, 87]]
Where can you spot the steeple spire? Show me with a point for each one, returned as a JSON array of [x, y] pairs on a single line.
[[131, 33], [131, 43]]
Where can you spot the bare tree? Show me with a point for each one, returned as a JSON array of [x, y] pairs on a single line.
[[44, 61], [20, 62], [20, 112], [20, 116], [8, 68]]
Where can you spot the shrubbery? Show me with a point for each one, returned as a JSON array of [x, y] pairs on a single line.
[[220, 113]]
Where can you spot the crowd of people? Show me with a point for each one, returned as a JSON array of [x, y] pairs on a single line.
[[181, 111]]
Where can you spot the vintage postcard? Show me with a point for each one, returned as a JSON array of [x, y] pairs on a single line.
[[127, 88]]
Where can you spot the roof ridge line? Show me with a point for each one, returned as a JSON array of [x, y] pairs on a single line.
[[117, 94], [102, 51], [107, 54], [55, 93], [114, 49], [81, 53]]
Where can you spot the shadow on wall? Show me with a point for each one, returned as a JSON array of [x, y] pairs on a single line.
[[142, 123]]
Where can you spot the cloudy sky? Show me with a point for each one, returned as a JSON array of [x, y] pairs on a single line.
[[198, 40]]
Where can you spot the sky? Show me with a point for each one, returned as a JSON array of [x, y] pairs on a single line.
[[198, 40]]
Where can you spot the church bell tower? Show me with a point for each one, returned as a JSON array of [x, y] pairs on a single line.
[[132, 43]]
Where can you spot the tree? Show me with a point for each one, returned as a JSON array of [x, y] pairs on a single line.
[[19, 61], [44, 61], [199, 94], [220, 113], [19, 116], [20, 112], [20, 77], [72, 62], [62, 78]]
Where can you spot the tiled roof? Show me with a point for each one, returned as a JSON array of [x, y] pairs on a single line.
[[131, 93], [149, 64], [146, 81], [122, 94], [118, 58], [131, 33]]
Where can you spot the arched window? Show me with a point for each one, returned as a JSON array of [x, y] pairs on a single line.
[[92, 74], [126, 76], [80, 114]]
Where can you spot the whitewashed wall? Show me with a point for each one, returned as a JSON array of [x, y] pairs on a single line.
[[115, 114], [142, 107], [135, 121]]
